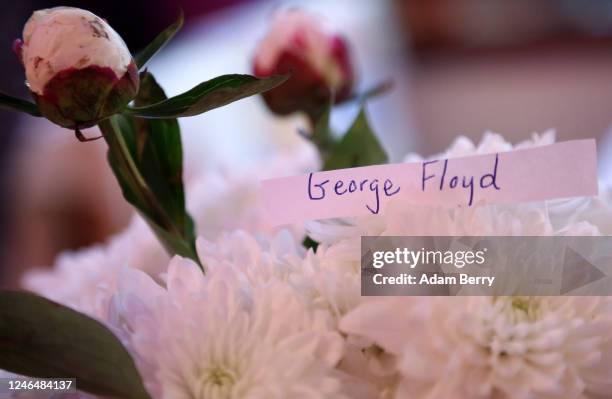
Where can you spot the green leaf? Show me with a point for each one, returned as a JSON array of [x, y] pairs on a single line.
[[358, 147], [41, 338], [158, 43], [147, 159], [159, 154], [18, 104], [206, 96]]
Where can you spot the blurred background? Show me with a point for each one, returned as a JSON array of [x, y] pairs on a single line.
[[459, 67]]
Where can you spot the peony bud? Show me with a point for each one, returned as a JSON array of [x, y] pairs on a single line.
[[78, 68], [318, 62]]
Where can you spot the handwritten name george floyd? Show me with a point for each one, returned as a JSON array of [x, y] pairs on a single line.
[[435, 175]]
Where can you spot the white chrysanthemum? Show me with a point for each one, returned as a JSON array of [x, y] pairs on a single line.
[[592, 210], [259, 324], [487, 347], [327, 282], [216, 337], [64, 38], [260, 258], [333, 274], [328, 279], [530, 219]]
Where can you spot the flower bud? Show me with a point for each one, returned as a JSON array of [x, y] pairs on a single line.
[[318, 62], [77, 67]]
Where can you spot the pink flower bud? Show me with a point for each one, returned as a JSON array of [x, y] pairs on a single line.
[[318, 62], [78, 68]]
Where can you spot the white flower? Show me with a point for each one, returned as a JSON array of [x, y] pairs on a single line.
[[327, 280], [330, 281], [488, 347], [529, 219], [595, 211], [259, 258], [216, 337], [264, 321], [334, 271], [61, 38], [333, 276]]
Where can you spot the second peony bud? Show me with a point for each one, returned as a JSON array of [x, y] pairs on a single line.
[[319, 64], [77, 67]]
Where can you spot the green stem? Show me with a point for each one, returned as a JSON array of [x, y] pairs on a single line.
[[118, 147]]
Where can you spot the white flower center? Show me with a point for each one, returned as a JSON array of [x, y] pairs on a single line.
[[522, 308], [217, 383]]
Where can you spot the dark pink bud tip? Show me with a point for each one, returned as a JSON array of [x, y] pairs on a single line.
[[18, 49]]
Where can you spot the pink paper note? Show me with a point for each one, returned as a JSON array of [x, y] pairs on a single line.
[[567, 169]]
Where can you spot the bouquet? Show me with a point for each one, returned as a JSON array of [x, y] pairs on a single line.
[[214, 302]]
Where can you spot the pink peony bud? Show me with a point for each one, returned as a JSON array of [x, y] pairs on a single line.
[[78, 68], [319, 64]]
